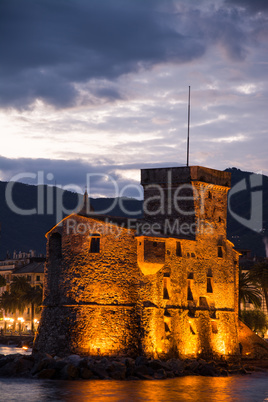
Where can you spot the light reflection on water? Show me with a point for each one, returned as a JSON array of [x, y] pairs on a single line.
[[204, 389], [8, 350]]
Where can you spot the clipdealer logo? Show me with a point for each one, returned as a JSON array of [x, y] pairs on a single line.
[[255, 188]]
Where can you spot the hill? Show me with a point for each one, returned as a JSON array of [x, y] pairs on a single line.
[[25, 232]]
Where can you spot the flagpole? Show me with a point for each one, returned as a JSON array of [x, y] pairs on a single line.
[[188, 133]]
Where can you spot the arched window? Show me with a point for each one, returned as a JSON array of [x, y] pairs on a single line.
[[55, 246]]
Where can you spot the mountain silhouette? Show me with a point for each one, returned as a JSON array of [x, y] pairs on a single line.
[[24, 232]]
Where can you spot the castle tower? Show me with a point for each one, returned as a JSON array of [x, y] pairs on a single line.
[[186, 201]]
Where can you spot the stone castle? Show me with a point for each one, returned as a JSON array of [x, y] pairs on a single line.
[[166, 285]]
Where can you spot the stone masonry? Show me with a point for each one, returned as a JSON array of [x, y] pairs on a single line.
[[164, 286]]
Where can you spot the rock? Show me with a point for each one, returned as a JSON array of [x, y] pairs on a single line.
[[45, 363], [157, 364], [69, 372], [75, 360], [207, 370], [24, 366], [140, 361], [160, 374], [99, 371], [117, 370], [85, 373], [193, 366], [128, 362], [176, 365], [143, 371], [46, 374]]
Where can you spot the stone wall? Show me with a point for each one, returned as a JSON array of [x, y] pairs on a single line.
[[110, 290]]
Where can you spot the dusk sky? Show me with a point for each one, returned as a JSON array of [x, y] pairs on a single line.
[[101, 86]]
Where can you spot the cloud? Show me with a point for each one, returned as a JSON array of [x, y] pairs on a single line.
[[251, 5], [103, 178], [49, 48]]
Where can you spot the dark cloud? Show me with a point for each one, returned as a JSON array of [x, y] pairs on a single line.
[[47, 46], [251, 5], [106, 178]]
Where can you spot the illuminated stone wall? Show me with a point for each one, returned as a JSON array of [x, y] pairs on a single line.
[[112, 290]]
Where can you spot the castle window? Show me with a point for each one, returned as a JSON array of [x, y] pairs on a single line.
[[203, 302], [193, 255], [95, 243], [154, 251], [190, 275], [165, 289], [209, 195], [55, 246], [220, 253], [178, 249], [189, 291], [220, 240], [209, 285], [192, 331], [38, 278], [166, 327], [214, 327]]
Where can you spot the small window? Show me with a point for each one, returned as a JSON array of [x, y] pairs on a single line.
[[193, 255], [95, 244], [203, 302], [220, 253], [191, 330], [167, 329], [189, 291], [209, 285], [178, 249], [214, 327], [29, 278], [209, 195], [154, 251], [38, 278], [165, 289]]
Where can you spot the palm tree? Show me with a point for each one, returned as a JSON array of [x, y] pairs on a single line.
[[248, 293], [21, 295], [11, 302], [2, 281], [19, 285], [33, 296], [259, 276]]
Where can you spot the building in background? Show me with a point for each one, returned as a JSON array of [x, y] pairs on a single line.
[[21, 264]]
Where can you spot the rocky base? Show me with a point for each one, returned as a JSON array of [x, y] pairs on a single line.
[[44, 366]]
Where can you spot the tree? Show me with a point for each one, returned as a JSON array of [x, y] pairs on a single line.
[[259, 276], [248, 293], [21, 295], [2, 281], [255, 319], [33, 296]]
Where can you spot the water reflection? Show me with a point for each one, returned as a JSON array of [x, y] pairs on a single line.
[[206, 389], [8, 350]]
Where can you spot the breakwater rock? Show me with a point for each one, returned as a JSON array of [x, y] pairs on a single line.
[[73, 367]]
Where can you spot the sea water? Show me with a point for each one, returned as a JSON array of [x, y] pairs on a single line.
[[246, 388]]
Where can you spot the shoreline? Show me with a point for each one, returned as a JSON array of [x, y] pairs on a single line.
[[74, 367]]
